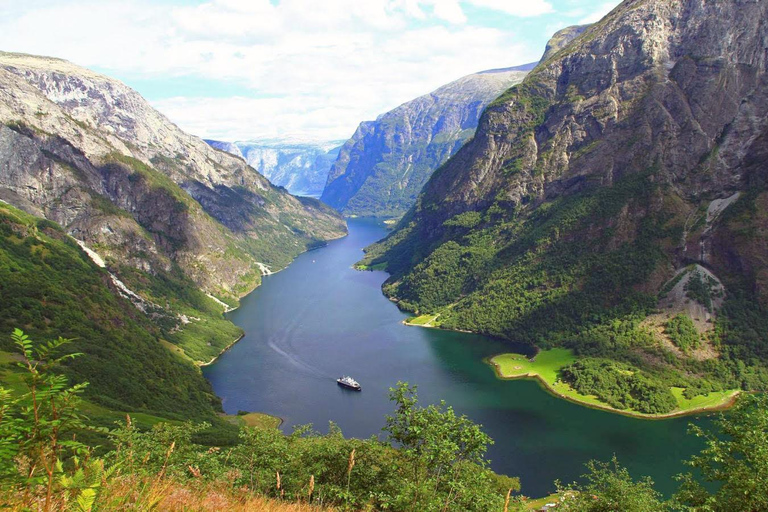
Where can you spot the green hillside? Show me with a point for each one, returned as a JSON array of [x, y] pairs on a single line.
[[49, 287]]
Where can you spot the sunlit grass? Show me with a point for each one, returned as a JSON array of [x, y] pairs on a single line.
[[421, 320], [255, 419], [546, 367]]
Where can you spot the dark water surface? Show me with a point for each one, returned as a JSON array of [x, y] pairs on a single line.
[[319, 319]]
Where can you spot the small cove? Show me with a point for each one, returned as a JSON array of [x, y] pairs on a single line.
[[318, 319]]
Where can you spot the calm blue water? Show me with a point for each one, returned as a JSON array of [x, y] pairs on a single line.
[[319, 319]]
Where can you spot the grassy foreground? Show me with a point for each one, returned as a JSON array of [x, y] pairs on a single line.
[[547, 364], [158, 492]]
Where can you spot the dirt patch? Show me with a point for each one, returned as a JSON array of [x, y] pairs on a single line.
[[677, 299], [656, 325]]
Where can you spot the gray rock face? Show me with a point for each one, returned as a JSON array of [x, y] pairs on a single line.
[[655, 84], [90, 153], [561, 39], [301, 167], [675, 91], [382, 168]]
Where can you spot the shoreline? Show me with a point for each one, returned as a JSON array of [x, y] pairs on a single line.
[[607, 408], [544, 384], [429, 326], [200, 364]]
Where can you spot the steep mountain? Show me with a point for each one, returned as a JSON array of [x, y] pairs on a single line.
[[621, 182], [561, 39], [50, 287], [299, 166], [180, 227], [382, 168]]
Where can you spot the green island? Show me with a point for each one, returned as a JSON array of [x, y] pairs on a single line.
[[546, 368]]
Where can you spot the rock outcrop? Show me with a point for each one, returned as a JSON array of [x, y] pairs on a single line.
[[561, 39]]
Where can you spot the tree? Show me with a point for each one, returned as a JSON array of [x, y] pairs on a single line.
[[735, 457], [35, 423], [610, 488], [446, 456]]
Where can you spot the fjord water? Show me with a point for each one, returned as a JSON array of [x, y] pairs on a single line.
[[318, 319]]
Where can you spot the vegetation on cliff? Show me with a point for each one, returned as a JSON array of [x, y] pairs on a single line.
[[50, 287], [567, 219]]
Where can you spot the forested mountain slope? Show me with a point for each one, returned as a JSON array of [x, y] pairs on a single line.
[[604, 200], [174, 222], [51, 288]]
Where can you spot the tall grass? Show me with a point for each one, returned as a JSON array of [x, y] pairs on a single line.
[[169, 494]]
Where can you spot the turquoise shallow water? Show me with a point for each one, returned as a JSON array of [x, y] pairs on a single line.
[[318, 319]]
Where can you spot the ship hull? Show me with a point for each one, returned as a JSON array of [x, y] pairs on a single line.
[[348, 386]]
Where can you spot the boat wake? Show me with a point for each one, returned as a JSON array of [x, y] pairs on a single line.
[[298, 362]]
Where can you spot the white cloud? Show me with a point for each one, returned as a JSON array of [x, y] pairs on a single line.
[[449, 10], [521, 8], [313, 71], [598, 14]]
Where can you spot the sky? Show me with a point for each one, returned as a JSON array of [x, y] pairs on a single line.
[[254, 69]]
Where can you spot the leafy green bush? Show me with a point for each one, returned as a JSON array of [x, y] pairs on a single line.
[[735, 460], [610, 487], [619, 385], [683, 333]]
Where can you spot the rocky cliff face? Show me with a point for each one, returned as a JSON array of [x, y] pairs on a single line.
[[561, 39], [165, 210], [73, 138], [382, 168], [635, 150], [301, 167]]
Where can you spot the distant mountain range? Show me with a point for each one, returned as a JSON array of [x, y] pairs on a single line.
[[298, 165]]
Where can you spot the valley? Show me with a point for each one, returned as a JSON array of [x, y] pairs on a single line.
[[549, 279], [319, 319]]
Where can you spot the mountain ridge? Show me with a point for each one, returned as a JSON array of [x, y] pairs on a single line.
[[180, 228], [595, 182], [299, 165], [381, 169]]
